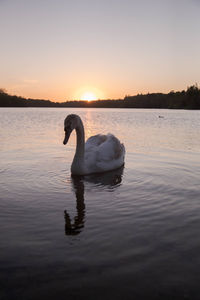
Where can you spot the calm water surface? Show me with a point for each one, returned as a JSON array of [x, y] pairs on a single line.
[[129, 234]]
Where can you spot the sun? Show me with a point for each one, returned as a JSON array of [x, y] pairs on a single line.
[[88, 93], [88, 96]]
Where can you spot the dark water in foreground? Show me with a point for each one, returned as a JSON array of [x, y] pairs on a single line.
[[128, 234]]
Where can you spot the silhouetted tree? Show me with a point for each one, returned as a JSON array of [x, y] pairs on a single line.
[[189, 99]]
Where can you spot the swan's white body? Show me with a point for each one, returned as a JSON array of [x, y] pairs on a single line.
[[99, 154]]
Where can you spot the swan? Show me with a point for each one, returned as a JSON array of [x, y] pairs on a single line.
[[99, 154]]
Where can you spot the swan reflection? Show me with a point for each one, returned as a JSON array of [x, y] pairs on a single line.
[[109, 179], [75, 227]]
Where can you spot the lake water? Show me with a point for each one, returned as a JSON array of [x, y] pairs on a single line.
[[129, 234]]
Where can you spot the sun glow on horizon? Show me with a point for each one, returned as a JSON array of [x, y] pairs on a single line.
[[88, 93], [88, 96]]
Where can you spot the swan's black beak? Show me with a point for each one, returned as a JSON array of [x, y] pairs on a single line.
[[67, 135]]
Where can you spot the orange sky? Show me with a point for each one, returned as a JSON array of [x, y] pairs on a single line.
[[62, 50]]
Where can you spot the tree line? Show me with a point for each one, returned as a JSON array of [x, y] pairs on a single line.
[[189, 99]]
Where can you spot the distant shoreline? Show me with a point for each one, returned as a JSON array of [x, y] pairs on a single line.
[[189, 99]]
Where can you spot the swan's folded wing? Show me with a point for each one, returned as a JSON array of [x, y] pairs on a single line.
[[95, 140], [110, 154], [111, 149], [104, 152]]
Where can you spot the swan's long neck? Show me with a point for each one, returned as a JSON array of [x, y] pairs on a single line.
[[80, 141], [78, 161]]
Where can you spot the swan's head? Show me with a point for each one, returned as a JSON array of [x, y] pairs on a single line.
[[71, 122]]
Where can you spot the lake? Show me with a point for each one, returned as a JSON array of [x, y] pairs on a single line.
[[128, 234]]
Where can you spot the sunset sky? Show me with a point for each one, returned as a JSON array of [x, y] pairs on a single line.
[[61, 50]]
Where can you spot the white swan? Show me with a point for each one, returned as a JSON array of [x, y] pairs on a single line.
[[100, 153]]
